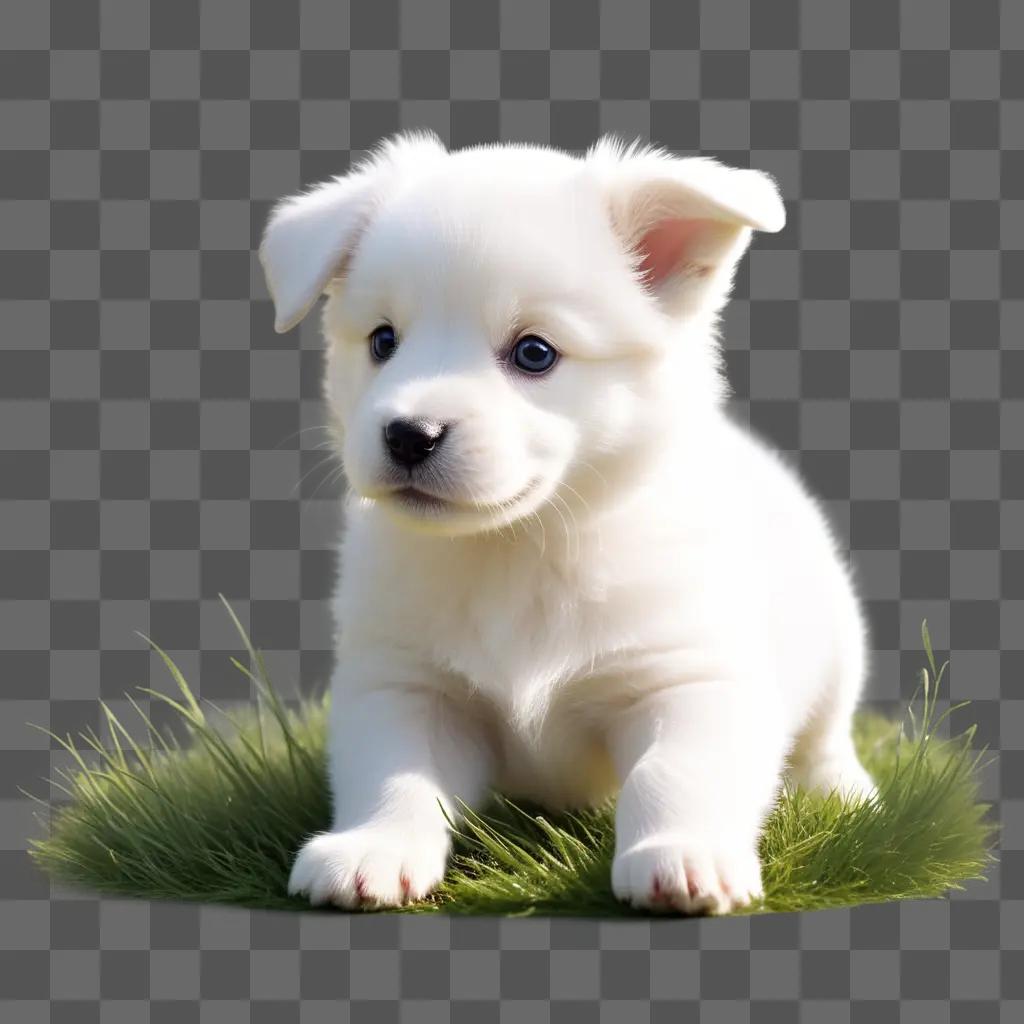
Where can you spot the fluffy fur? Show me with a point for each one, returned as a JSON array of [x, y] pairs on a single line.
[[605, 584]]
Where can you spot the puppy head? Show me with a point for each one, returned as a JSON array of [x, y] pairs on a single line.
[[510, 327]]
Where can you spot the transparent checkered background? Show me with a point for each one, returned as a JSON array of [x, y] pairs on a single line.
[[154, 450]]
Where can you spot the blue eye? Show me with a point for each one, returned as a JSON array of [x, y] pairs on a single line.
[[383, 343], [533, 355]]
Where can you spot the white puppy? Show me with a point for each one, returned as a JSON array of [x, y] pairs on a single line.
[[564, 570]]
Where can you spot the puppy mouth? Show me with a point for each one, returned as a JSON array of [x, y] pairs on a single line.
[[418, 499]]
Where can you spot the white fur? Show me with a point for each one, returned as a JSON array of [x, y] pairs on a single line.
[[622, 589]]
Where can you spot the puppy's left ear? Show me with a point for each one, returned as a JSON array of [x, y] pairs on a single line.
[[685, 222], [310, 236]]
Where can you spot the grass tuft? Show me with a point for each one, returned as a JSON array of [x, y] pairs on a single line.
[[219, 817]]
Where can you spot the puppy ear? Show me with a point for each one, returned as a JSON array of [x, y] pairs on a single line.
[[685, 222], [310, 236]]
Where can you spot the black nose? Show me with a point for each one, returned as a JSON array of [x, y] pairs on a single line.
[[411, 441]]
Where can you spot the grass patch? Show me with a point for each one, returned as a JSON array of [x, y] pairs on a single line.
[[218, 818]]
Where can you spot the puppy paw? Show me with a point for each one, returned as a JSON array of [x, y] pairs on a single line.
[[676, 874], [369, 867]]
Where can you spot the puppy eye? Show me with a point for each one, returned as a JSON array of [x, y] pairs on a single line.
[[383, 343], [533, 355]]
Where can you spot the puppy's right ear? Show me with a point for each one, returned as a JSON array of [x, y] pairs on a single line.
[[310, 236], [306, 241]]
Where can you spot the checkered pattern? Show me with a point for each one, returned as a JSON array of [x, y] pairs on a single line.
[[159, 443]]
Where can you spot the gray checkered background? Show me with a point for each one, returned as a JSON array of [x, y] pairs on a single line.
[[154, 448]]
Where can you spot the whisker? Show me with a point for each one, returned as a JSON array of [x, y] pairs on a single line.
[[543, 533], [298, 433], [475, 497], [593, 469], [565, 525], [329, 480], [309, 472], [582, 500], [575, 525]]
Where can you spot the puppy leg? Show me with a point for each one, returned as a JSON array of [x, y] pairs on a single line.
[[824, 757], [398, 755], [701, 765]]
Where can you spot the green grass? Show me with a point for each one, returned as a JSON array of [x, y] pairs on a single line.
[[219, 817]]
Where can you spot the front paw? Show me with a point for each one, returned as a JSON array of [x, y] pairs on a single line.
[[371, 866], [687, 875]]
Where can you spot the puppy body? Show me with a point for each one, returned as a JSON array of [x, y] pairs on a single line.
[[599, 581]]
